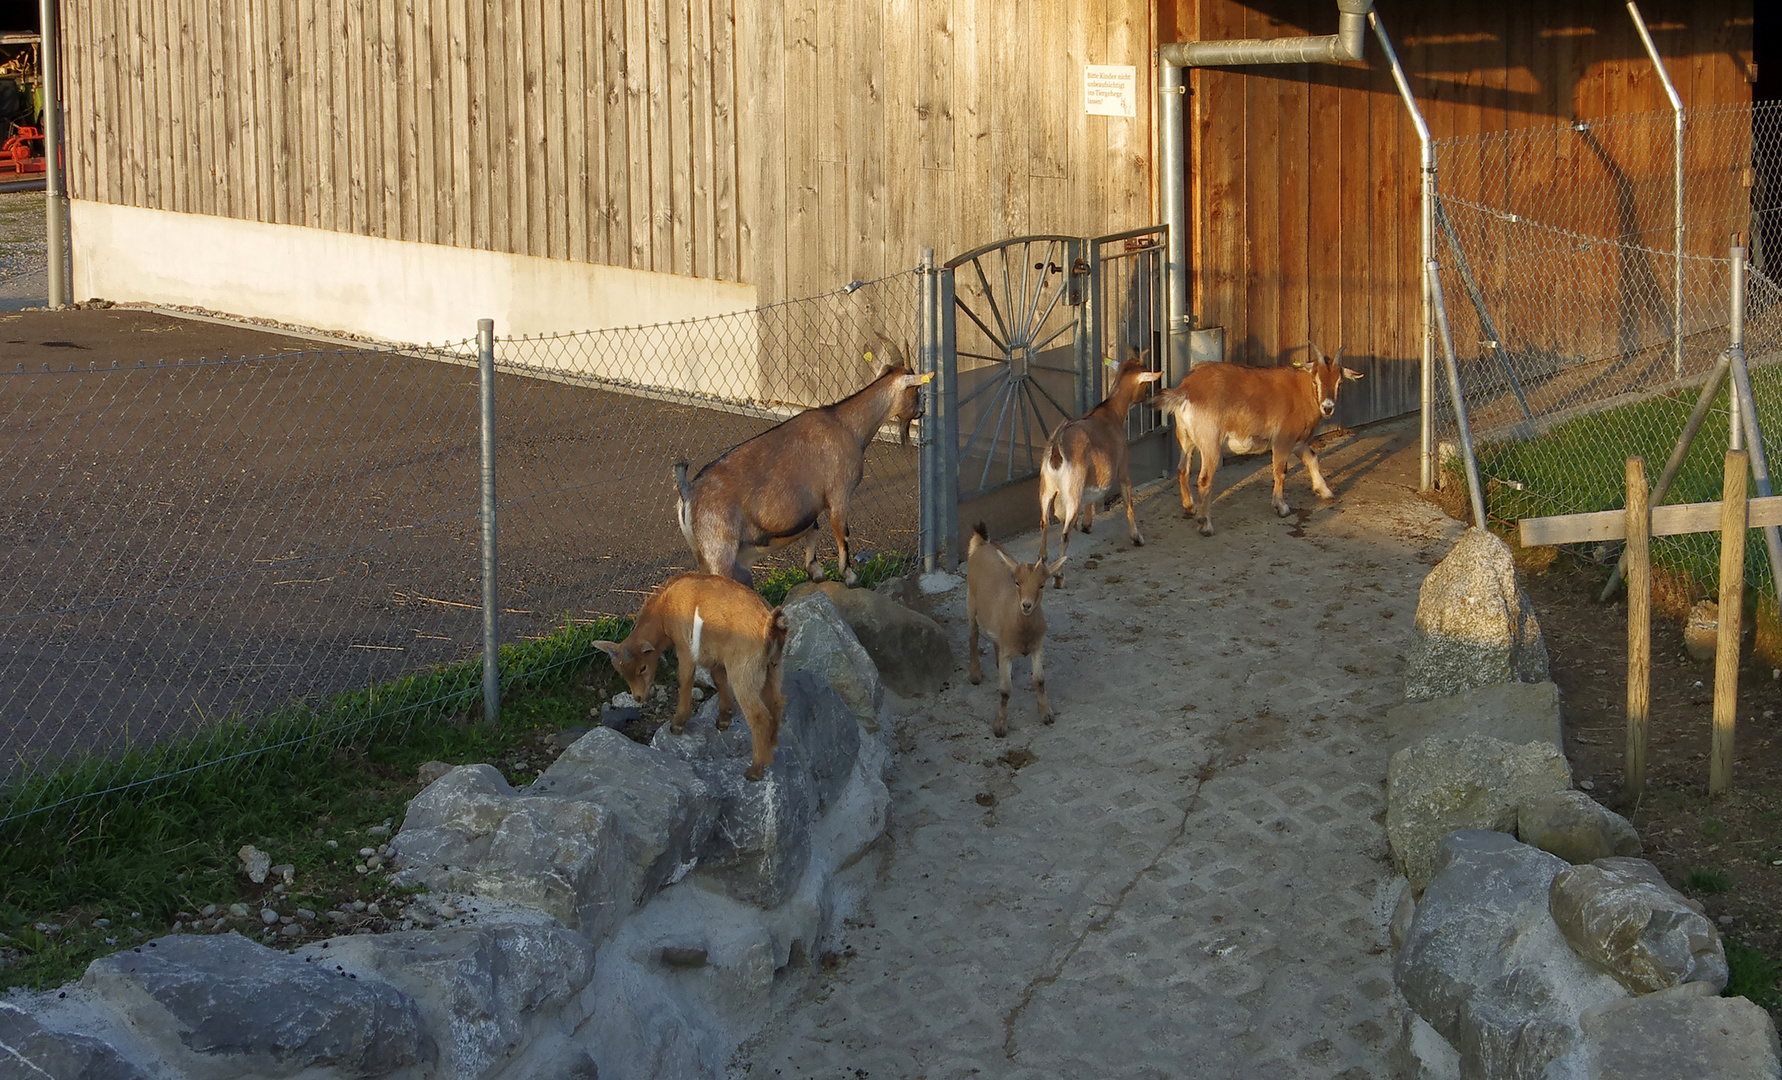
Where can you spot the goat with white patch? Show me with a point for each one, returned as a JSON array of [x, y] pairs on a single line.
[[1002, 597], [1087, 456], [1246, 409], [722, 626]]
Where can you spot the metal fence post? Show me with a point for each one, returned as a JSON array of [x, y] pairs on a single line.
[[485, 341], [928, 350], [946, 461], [1433, 273], [55, 190], [1747, 415]]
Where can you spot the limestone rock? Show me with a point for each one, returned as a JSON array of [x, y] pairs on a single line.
[[664, 811], [256, 864], [819, 640], [1421, 1053], [431, 771], [1620, 915], [28, 1049], [1701, 634], [1486, 966], [222, 1006], [1513, 712], [1403, 913], [1575, 827], [1441, 784], [1685, 1031], [761, 842], [820, 729], [910, 650], [471, 832], [1475, 625], [482, 989]]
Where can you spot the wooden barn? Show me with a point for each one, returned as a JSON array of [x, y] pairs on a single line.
[[398, 168]]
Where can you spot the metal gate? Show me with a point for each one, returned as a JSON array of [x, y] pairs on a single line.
[[1016, 333]]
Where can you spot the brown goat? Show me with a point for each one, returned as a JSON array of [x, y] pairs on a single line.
[[1087, 456], [769, 491], [1002, 596], [725, 627], [1249, 408]]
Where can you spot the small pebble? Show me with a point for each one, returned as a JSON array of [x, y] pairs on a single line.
[[1587, 785], [367, 852], [279, 889], [319, 832], [208, 910], [268, 916], [379, 830], [1726, 920], [359, 905], [334, 843], [383, 849], [371, 909], [375, 862], [305, 914], [102, 923], [136, 914], [240, 911], [339, 918], [178, 926], [292, 931], [361, 868], [286, 920]]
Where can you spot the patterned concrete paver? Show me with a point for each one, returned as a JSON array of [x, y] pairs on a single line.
[[1186, 875]]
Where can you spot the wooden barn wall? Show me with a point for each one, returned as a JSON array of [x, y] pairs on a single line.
[[1304, 178], [792, 144]]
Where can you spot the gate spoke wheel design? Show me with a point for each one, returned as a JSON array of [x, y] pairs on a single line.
[[1016, 298]]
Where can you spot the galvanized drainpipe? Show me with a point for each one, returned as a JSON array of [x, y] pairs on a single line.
[[1426, 216], [1345, 44], [55, 203], [1670, 91]]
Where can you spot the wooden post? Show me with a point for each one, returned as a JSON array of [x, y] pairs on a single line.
[[1639, 630], [1732, 602]]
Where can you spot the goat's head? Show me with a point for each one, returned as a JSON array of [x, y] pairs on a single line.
[[1030, 579], [1328, 376], [635, 662], [1130, 376], [908, 407]]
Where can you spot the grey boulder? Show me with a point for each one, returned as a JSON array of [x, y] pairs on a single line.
[[1475, 626], [1621, 915], [1486, 966], [484, 989], [820, 641], [1685, 1031], [1443, 784], [1575, 827], [664, 810], [470, 832], [909, 649], [223, 1006], [28, 1049], [1513, 712]]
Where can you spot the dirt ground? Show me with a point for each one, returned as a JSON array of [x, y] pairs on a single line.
[[188, 540], [1725, 852]]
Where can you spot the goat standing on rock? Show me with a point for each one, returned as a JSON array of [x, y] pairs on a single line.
[[768, 491], [1248, 408], [1087, 456], [1002, 596], [725, 627]]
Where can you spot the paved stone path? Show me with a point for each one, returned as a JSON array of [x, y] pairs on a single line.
[[1187, 875]]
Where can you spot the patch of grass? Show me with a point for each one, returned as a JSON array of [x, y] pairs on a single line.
[[879, 568], [1752, 975], [1713, 828], [1707, 881]]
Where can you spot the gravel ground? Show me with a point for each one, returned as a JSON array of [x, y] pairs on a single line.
[[24, 268]]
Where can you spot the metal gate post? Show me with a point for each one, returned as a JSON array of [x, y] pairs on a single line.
[[1747, 406], [927, 357], [946, 429], [485, 342], [1090, 313]]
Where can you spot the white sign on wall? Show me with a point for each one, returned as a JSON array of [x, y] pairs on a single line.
[[1110, 90]]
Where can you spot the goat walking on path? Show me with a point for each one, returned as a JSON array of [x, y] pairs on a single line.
[[725, 627], [1087, 456], [1218, 405], [768, 492], [1003, 599]]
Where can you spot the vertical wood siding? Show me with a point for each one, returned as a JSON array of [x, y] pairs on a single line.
[[1304, 178], [792, 144]]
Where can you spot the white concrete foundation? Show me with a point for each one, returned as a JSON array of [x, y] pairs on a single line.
[[386, 289]]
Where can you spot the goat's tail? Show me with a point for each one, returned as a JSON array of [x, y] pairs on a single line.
[[979, 537], [777, 629], [684, 503]]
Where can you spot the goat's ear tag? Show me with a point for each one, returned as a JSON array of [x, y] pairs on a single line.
[[1301, 365], [918, 380]]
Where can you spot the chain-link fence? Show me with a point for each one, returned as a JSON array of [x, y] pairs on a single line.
[[1586, 269], [209, 561]]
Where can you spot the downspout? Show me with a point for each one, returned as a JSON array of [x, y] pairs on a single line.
[[1670, 91], [55, 202], [1345, 44]]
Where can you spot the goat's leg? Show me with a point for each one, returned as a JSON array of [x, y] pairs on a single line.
[[1048, 496], [1086, 521], [838, 521], [1186, 445], [812, 567], [764, 734], [684, 705], [1071, 499], [1279, 463], [1310, 461], [1209, 464], [1039, 682], [1004, 661], [971, 646], [719, 554], [726, 699], [1132, 529]]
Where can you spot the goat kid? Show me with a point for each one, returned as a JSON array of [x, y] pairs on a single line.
[[1087, 456], [769, 491], [1248, 408], [725, 627], [1002, 596]]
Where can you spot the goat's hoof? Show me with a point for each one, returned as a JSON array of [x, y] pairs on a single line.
[[1284, 510], [1206, 529], [1047, 719], [976, 678], [723, 723], [677, 727], [1001, 731], [1058, 582], [815, 573], [852, 580], [755, 773], [1138, 541]]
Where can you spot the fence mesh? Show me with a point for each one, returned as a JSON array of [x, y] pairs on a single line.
[[208, 561], [1588, 311]]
